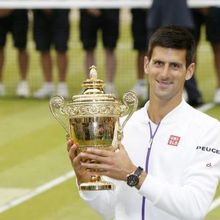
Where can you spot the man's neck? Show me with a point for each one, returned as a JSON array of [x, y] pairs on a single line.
[[157, 110]]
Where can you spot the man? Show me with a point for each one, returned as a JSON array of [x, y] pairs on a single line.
[[51, 29], [107, 21], [140, 42], [177, 146], [16, 23], [211, 18]]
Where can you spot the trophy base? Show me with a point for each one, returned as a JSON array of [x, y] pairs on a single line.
[[95, 186]]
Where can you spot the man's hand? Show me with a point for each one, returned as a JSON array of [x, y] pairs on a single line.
[[204, 11], [82, 174], [94, 12], [5, 12], [114, 164]]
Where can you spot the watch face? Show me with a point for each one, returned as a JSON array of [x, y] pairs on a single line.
[[132, 180]]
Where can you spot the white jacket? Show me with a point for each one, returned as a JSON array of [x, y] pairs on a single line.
[[182, 175]]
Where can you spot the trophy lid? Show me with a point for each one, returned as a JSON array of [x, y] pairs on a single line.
[[93, 99], [93, 88], [93, 85], [93, 102]]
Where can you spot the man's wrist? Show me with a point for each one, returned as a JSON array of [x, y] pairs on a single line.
[[133, 178], [141, 179]]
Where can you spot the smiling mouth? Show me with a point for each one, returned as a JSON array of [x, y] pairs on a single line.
[[164, 83]]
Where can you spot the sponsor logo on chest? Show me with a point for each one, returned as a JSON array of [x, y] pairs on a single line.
[[173, 140], [208, 149]]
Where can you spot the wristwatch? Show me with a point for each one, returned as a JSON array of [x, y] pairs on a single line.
[[133, 178]]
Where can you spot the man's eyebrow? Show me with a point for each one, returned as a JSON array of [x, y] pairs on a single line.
[[157, 59], [176, 63]]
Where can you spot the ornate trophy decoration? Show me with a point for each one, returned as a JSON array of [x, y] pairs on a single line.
[[92, 120]]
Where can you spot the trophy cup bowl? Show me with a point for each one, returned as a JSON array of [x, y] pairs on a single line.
[[92, 119]]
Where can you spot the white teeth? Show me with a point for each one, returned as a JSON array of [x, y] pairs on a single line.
[[165, 82]]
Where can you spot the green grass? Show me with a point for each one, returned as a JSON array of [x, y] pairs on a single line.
[[32, 143], [61, 202], [27, 144], [215, 112]]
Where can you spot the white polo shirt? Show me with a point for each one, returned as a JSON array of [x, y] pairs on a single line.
[[183, 168]]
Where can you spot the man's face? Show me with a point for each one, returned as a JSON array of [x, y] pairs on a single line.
[[167, 73]]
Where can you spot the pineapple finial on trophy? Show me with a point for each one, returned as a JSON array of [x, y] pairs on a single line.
[[93, 72], [93, 85]]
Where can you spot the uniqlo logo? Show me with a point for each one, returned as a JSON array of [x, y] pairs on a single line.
[[174, 140]]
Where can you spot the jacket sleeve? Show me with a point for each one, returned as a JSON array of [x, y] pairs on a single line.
[[191, 200], [102, 201]]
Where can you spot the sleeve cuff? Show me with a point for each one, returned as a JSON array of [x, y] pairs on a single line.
[[151, 189], [88, 195]]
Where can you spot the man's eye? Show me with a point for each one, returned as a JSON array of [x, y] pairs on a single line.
[[175, 65], [158, 63]]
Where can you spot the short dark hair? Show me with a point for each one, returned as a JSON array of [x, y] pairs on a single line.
[[174, 37]]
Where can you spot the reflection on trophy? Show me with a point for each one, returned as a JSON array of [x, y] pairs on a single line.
[[92, 120]]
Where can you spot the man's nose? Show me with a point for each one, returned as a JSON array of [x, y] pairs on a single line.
[[165, 71]]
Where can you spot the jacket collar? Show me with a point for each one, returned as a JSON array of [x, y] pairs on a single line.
[[176, 114]]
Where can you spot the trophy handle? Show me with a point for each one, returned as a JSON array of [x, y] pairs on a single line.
[[130, 101], [57, 104]]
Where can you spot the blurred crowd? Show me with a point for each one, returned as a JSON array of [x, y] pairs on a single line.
[[51, 29]]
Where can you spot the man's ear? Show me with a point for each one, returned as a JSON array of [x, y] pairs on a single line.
[[190, 71], [146, 62]]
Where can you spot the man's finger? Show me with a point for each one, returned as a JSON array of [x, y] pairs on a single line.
[[100, 152], [69, 144], [73, 151]]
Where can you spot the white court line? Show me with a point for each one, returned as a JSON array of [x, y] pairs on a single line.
[[71, 174], [215, 204], [36, 191], [206, 107]]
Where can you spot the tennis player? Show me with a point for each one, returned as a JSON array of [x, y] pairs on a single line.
[[168, 165]]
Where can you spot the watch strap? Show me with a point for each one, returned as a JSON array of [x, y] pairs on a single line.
[[138, 171]]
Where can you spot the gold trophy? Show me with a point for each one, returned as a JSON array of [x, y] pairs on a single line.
[[92, 120]]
